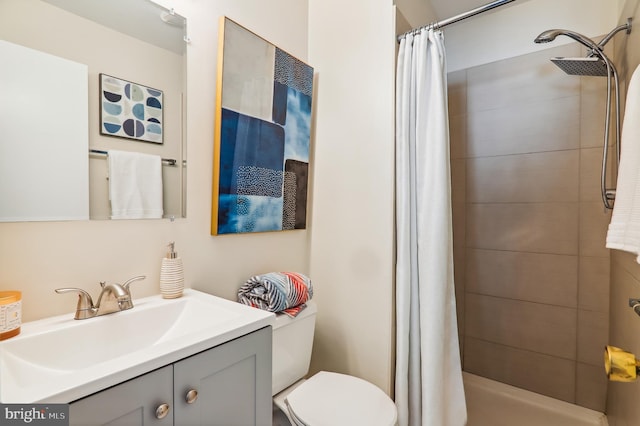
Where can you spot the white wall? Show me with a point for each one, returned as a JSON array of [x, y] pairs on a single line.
[[417, 13], [352, 45], [37, 258], [509, 30]]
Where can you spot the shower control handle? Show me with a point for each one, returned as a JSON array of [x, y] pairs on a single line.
[[635, 305]]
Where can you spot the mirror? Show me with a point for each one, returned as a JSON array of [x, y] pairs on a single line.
[[53, 146]]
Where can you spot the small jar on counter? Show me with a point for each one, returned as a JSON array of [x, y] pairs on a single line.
[[10, 313]]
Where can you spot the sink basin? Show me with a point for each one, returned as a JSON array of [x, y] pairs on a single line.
[[60, 359]]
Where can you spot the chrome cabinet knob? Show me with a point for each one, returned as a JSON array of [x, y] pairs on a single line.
[[162, 411], [191, 396]]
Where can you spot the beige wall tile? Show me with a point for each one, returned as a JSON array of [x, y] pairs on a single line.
[[541, 278], [460, 308], [591, 84], [459, 217], [458, 136], [520, 80], [622, 405], [457, 92], [593, 336], [533, 371], [536, 227], [591, 387], [625, 324], [593, 287], [592, 114], [594, 222], [459, 254], [538, 177], [591, 170], [458, 180], [626, 262], [517, 129], [546, 329], [457, 79], [590, 163]]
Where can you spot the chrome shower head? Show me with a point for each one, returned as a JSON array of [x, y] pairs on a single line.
[[589, 66], [547, 36], [595, 64], [550, 35]]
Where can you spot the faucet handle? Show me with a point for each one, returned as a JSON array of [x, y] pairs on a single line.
[[85, 303], [131, 280]]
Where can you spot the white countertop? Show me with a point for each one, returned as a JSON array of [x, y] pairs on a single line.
[[59, 359]]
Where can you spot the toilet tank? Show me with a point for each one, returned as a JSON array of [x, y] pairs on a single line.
[[292, 343]]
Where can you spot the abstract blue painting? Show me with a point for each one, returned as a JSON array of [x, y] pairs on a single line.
[[262, 136]]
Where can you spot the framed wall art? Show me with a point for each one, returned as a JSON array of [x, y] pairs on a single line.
[[262, 135], [130, 110]]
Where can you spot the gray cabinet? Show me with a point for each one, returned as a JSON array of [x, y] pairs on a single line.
[[127, 404], [227, 385]]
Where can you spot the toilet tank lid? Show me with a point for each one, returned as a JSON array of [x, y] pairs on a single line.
[[284, 319]]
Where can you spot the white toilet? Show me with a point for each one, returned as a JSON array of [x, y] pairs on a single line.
[[326, 398]]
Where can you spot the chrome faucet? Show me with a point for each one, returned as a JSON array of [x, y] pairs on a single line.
[[113, 298]]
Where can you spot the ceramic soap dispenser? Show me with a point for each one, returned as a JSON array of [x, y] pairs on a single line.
[[171, 274]]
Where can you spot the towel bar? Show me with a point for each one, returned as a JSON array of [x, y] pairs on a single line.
[[167, 161]]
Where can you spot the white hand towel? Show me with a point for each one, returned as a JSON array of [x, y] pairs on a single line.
[[624, 229], [135, 185]]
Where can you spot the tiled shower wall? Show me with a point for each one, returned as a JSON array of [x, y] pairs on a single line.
[[531, 268]]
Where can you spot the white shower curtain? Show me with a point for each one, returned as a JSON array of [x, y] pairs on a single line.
[[429, 389]]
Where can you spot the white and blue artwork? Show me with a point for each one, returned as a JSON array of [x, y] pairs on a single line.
[[263, 130], [130, 110]]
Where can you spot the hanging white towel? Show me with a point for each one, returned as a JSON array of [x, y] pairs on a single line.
[[624, 229], [135, 185]]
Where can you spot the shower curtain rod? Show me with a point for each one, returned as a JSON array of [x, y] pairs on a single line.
[[460, 17]]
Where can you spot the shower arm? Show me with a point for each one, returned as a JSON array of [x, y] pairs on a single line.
[[613, 32], [550, 35]]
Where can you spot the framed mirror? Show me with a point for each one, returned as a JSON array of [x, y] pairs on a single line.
[[57, 124]]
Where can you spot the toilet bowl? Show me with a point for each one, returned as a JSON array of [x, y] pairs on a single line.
[[326, 398], [332, 399]]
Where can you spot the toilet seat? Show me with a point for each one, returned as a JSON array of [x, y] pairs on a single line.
[[334, 399]]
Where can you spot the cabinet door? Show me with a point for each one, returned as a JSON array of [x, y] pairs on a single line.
[[232, 381], [130, 403]]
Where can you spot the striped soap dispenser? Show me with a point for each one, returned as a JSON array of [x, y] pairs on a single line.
[[171, 274]]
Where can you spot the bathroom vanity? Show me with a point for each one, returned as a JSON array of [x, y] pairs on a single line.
[[226, 385], [199, 359]]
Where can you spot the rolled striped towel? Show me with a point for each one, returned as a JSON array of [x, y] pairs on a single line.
[[284, 292]]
